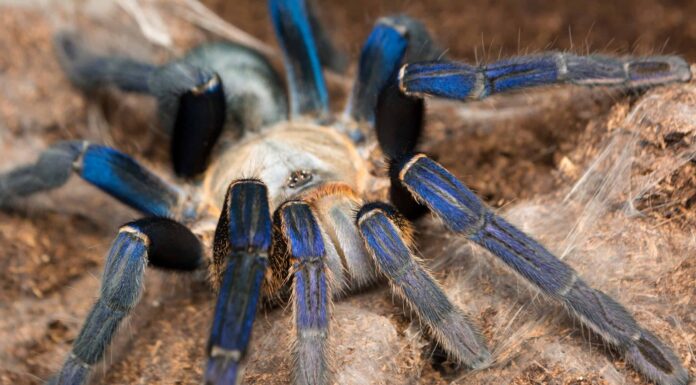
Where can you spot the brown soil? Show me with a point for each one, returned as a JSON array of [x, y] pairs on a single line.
[[561, 163]]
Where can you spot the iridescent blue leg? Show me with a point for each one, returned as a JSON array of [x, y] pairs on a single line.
[[393, 40], [308, 93], [311, 293], [380, 59], [113, 172], [463, 213], [383, 231], [242, 241], [462, 81], [158, 241]]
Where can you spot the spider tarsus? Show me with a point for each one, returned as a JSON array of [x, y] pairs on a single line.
[[382, 232], [656, 361]]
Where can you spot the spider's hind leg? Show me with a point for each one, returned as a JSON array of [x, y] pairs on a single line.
[[307, 88], [158, 241], [383, 231], [463, 213], [114, 172], [462, 81], [88, 70]]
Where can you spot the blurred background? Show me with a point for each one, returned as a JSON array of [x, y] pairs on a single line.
[[485, 29]]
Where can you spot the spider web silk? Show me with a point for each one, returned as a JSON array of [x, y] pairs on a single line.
[[594, 226]]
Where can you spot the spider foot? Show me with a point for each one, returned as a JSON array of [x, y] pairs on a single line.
[[311, 293], [656, 360], [384, 232]]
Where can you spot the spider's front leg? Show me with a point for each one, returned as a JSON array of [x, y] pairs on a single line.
[[463, 213], [241, 246], [113, 172], [386, 235], [311, 296], [159, 242], [462, 81], [243, 238]]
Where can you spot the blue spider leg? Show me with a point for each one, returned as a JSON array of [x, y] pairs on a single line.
[[393, 40], [379, 62], [159, 242], [377, 101], [308, 93], [89, 71], [383, 231], [311, 293], [243, 239], [113, 172], [463, 213], [462, 81]]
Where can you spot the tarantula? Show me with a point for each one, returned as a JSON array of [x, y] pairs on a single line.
[[283, 208]]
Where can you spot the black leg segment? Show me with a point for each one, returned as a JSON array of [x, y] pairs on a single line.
[[137, 243]]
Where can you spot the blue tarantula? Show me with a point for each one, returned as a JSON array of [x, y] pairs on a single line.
[[283, 208]]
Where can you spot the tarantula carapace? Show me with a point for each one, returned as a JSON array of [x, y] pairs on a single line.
[[290, 206]]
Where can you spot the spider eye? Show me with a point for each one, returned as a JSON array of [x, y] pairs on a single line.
[[299, 178]]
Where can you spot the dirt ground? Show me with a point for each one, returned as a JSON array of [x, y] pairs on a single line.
[[606, 180]]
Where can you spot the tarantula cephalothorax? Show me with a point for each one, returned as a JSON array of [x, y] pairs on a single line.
[[310, 170]]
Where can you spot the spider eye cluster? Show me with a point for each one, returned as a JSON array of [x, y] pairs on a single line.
[[299, 178]]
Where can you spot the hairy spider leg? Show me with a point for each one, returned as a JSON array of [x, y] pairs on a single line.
[[190, 99], [159, 242], [384, 231], [393, 40], [379, 62], [242, 241], [311, 293], [113, 172], [88, 71], [214, 85], [462, 81], [198, 125], [463, 213], [308, 93]]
